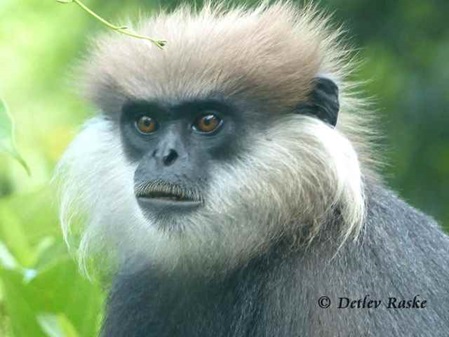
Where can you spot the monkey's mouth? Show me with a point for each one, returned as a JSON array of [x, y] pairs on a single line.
[[162, 194]]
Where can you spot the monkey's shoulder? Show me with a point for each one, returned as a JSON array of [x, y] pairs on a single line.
[[388, 214]]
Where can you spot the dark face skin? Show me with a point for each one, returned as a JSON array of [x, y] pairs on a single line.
[[174, 145]]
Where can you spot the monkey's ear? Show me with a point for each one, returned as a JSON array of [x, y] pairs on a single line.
[[322, 101]]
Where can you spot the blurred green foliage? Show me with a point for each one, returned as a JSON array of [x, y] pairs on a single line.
[[405, 48], [7, 141]]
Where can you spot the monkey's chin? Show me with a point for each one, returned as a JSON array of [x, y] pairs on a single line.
[[165, 206]]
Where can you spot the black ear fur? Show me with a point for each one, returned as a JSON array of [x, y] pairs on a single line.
[[322, 102]]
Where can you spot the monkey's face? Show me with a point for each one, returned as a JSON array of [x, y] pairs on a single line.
[[174, 147]]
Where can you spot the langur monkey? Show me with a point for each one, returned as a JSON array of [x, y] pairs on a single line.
[[229, 186]]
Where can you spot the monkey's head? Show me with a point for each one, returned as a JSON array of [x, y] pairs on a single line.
[[218, 147]]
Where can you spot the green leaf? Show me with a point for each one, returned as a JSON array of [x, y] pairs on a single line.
[[56, 325], [7, 261], [14, 236], [51, 303], [18, 306], [7, 143]]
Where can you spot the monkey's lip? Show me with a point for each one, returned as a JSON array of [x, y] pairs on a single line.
[[157, 203], [158, 199], [168, 202], [167, 197], [161, 196]]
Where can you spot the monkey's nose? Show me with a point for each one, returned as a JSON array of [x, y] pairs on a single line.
[[169, 158]]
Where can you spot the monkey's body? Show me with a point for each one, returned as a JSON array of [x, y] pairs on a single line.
[[277, 294], [219, 184]]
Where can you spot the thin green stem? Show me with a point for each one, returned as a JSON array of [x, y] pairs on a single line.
[[120, 29], [22, 161], [12, 151]]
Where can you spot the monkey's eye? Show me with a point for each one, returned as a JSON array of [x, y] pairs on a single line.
[[146, 124], [207, 123]]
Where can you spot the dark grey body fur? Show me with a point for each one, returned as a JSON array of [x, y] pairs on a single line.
[[401, 253]]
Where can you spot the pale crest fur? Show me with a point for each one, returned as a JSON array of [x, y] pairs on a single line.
[[292, 177]]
